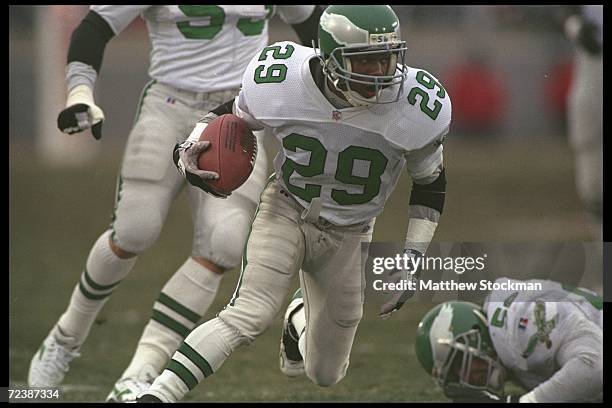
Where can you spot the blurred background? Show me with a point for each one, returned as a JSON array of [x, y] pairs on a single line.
[[510, 170]]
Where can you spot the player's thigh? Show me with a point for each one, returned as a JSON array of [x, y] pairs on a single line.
[[333, 298], [141, 208], [273, 253], [161, 121], [220, 226]]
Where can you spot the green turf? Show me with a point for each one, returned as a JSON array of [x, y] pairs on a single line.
[[498, 192]]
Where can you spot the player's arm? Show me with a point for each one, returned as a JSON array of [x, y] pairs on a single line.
[[85, 55], [304, 20], [426, 168], [580, 358]]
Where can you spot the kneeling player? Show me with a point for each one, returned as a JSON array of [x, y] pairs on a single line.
[[550, 342]]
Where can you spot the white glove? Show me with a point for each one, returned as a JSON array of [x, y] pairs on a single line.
[[81, 113]]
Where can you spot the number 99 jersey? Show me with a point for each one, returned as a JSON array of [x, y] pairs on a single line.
[[202, 48], [350, 159]]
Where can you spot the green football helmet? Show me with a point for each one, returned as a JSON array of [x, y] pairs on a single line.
[[453, 345], [349, 31]]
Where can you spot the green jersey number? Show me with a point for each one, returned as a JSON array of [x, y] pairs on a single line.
[[428, 82], [344, 172], [275, 72], [216, 16]]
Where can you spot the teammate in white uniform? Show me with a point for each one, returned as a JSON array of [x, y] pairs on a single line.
[[198, 55], [585, 110], [350, 117], [548, 341]]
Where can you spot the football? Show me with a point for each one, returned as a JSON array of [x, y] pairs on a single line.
[[231, 154]]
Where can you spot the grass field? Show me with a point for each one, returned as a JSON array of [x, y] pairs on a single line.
[[496, 192]]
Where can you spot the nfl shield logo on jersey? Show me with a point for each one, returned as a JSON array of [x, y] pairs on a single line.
[[523, 323], [336, 115]]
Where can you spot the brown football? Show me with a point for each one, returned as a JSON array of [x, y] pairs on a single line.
[[231, 154]]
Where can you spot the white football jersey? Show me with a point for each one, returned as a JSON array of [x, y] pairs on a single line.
[[347, 159], [528, 328], [202, 48]]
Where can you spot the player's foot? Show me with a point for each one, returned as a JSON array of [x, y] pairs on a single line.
[[51, 362], [147, 398], [127, 389], [291, 360]]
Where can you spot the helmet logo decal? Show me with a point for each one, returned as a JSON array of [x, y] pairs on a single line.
[[353, 34], [441, 329], [544, 327]]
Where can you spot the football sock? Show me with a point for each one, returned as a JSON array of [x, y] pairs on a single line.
[[182, 302], [103, 271], [201, 354]]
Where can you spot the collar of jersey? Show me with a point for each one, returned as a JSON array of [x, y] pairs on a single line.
[[318, 95]]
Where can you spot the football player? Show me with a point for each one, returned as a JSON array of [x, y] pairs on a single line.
[[549, 341], [585, 110], [349, 116], [198, 55]]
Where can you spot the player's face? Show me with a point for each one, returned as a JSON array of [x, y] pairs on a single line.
[[478, 373], [369, 64]]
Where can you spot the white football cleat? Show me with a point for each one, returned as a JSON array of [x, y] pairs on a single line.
[[127, 389], [50, 363], [291, 360]]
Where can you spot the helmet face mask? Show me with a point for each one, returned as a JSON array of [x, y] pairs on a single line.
[[454, 347], [347, 32], [467, 365]]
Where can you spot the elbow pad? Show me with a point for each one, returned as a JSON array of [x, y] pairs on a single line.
[[89, 40]]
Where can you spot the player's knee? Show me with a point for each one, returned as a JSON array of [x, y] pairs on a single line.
[[138, 232], [323, 376], [227, 240], [346, 316]]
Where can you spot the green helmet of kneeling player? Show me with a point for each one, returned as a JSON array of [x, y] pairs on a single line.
[[454, 346]]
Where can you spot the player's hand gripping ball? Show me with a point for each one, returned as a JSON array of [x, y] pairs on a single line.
[[231, 154]]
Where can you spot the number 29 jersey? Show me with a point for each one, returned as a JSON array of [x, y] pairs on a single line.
[[350, 159]]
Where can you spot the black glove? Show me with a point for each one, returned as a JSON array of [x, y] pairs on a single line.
[[185, 157], [398, 298]]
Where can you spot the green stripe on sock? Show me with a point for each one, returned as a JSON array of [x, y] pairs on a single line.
[[196, 359], [170, 323], [95, 285], [183, 373], [90, 295], [178, 308]]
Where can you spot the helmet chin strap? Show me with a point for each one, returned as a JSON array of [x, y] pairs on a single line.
[[348, 95]]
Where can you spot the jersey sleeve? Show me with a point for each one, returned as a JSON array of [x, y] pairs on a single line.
[[424, 115], [241, 110], [295, 14], [424, 162], [119, 17]]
